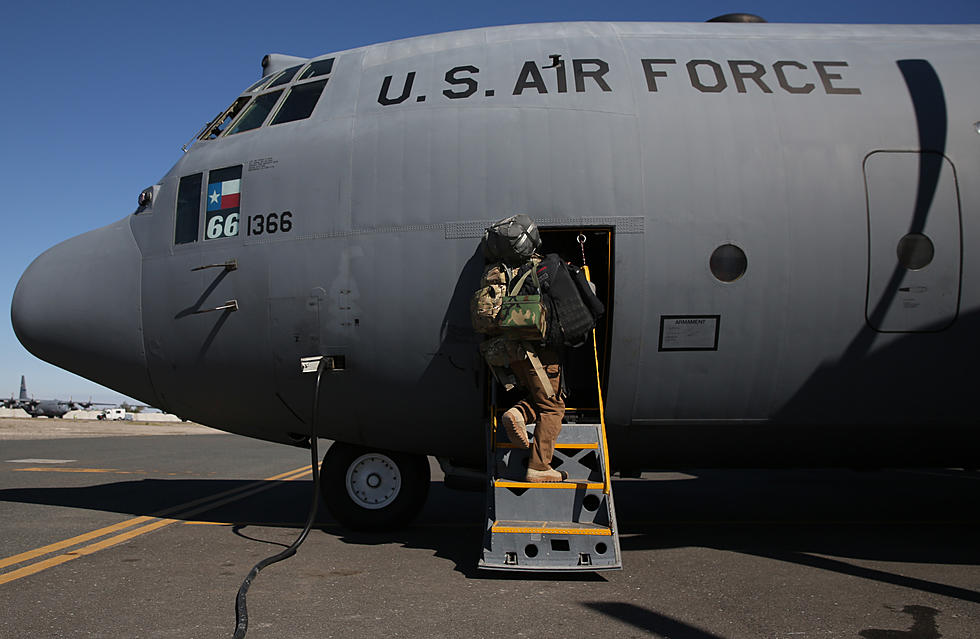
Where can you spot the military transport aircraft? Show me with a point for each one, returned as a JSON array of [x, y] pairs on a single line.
[[43, 407], [781, 219]]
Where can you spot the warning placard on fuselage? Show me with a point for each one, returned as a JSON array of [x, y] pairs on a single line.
[[689, 332]]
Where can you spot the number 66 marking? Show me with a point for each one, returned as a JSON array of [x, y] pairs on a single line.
[[220, 226]]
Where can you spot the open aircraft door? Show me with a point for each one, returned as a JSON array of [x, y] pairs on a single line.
[[914, 241], [593, 245]]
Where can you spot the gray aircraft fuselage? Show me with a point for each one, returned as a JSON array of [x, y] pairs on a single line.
[[47, 408], [841, 160], [38, 407]]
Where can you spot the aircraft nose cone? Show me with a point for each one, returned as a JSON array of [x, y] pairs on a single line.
[[77, 306]]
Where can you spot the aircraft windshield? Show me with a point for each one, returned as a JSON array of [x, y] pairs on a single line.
[[305, 85], [285, 76], [255, 114], [217, 125], [317, 68], [261, 83]]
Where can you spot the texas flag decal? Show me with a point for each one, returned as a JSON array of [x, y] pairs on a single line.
[[224, 195]]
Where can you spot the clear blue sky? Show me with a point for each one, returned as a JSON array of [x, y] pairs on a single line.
[[99, 96]]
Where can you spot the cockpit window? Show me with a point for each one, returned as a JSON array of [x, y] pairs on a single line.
[[247, 113], [285, 76], [320, 67], [255, 114], [188, 209], [217, 125], [300, 102], [258, 85]]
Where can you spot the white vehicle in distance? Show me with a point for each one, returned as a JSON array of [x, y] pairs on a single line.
[[113, 414]]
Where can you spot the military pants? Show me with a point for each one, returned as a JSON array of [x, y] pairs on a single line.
[[538, 408]]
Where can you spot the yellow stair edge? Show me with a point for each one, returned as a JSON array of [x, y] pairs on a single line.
[[550, 528], [502, 483], [593, 446]]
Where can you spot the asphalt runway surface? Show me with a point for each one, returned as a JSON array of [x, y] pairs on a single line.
[[151, 536]]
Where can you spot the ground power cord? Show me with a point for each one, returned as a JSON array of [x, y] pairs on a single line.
[[241, 612]]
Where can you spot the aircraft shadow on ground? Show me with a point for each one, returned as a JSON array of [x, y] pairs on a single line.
[[650, 621], [820, 519]]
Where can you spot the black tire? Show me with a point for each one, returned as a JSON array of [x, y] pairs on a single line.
[[346, 485]]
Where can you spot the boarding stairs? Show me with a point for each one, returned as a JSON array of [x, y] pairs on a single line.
[[567, 526], [560, 526]]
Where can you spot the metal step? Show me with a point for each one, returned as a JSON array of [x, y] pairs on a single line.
[[561, 501], [551, 526], [574, 484], [577, 452], [550, 546]]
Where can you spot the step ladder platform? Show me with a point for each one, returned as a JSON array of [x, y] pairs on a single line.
[[584, 446], [568, 484], [550, 546], [578, 461], [563, 526], [571, 436], [551, 528]]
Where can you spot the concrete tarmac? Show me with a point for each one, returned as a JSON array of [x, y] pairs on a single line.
[[112, 536]]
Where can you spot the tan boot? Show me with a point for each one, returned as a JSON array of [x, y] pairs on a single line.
[[542, 476], [514, 426]]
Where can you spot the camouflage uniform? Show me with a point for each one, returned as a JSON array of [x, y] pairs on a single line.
[[543, 406], [508, 326]]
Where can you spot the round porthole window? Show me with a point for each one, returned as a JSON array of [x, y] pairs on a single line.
[[728, 263], [915, 251]]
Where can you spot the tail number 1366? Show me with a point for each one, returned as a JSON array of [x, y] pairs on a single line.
[[271, 223]]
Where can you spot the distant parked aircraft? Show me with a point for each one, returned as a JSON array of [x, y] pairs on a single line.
[[44, 407]]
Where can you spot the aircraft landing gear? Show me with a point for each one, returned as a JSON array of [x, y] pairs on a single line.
[[373, 489]]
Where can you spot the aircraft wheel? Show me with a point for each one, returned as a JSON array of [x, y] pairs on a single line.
[[373, 489]]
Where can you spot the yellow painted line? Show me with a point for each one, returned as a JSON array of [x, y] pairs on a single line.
[[79, 470], [240, 492], [87, 550], [44, 550], [602, 532], [204, 504], [593, 445], [552, 484], [296, 471], [267, 524]]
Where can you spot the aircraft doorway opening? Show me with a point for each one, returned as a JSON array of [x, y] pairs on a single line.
[[582, 404]]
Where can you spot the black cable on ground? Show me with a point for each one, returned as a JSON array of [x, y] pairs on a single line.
[[241, 612]]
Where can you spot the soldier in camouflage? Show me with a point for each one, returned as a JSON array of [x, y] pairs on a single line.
[[516, 323], [543, 405]]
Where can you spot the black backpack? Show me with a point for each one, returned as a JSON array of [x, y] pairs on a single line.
[[512, 240], [573, 307]]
